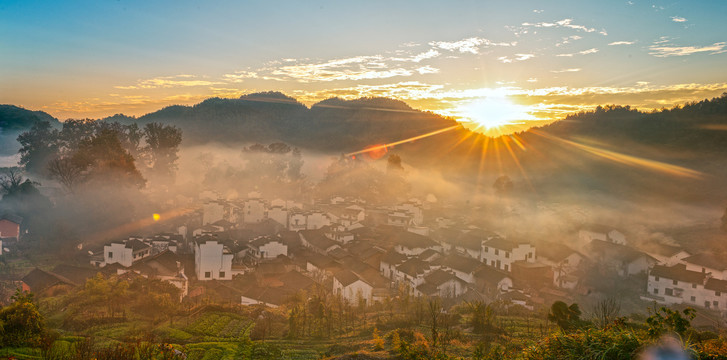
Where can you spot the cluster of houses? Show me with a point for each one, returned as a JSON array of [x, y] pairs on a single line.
[[255, 251]]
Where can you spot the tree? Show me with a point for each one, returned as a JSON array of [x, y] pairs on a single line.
[[567, 317], [503, 185], [37, 147], [22, 324], [724, 220], [664, 320], [162, 146], [67, 172], [104, 160], [606, 311]]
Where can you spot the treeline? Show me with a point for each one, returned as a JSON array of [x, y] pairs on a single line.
[[103, 152]]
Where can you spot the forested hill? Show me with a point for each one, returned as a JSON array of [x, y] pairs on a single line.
[[13, 121], [331, 125]]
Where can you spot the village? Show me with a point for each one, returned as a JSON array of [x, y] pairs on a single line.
[[258, 251]]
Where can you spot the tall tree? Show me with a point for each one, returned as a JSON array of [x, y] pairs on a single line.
[[37, 147], [103, 159], [162, 146]]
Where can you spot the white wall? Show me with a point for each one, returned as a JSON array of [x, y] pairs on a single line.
[[210, 258], [118, 253]]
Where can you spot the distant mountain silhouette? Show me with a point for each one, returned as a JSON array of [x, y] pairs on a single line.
[[13, 121], [330, 125]]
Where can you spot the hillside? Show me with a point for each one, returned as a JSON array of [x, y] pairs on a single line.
[[13, 121]]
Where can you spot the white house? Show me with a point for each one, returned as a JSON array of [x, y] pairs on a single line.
[[463, 267], [316, 220], [678, 285], [268, 248], [414, 210], [279, 214], [622, 259], [564, 261], [253, 210], [666, 254], [707, 263], [500, 253], [411, 244], [352, 287], [297, 221], [443, 284], [398, 218], [214, 211], [601, 232], [212, 261], [125, 253]]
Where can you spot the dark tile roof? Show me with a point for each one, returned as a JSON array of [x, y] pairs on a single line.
[[439, 277], [678, 272], [708, 260], [411, 240], [716, 285], [413, 267], [39, 280], [461, 263], [554, 251], [77, 274], [296, 281], [393, 258], [257, 243], [490, 275], [12, 218], [502, 243], [621, 252], [317, 239], [136, 245], [346, 277]]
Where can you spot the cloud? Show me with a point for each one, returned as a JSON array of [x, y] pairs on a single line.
[[665, 50], [518, 57], [470, 45], [566, 70], [565, 23], [538, 11], [239, 76], [168, 82], [431, 53], [353, 68], [678, 19], [568, 40], [622, 43], [584, 52]]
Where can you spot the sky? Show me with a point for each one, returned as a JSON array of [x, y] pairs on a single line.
[[493, 62]]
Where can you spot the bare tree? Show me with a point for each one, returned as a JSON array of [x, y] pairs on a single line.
[[10, 181], [66, 172], [606, 311]]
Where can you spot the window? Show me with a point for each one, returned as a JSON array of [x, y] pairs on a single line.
[[717, 293], [715, 303], [507, 268], [675, 282], [222, 274], [693, 299], [497, 252], [207, 274], [694, 286], [656, 278], [669, 292], [492, 263], [656, 291], [507, 254], [111, 255], [706, 304], [530, 255], [487, 249]]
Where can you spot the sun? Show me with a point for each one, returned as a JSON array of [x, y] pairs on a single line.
[[493, 113]]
